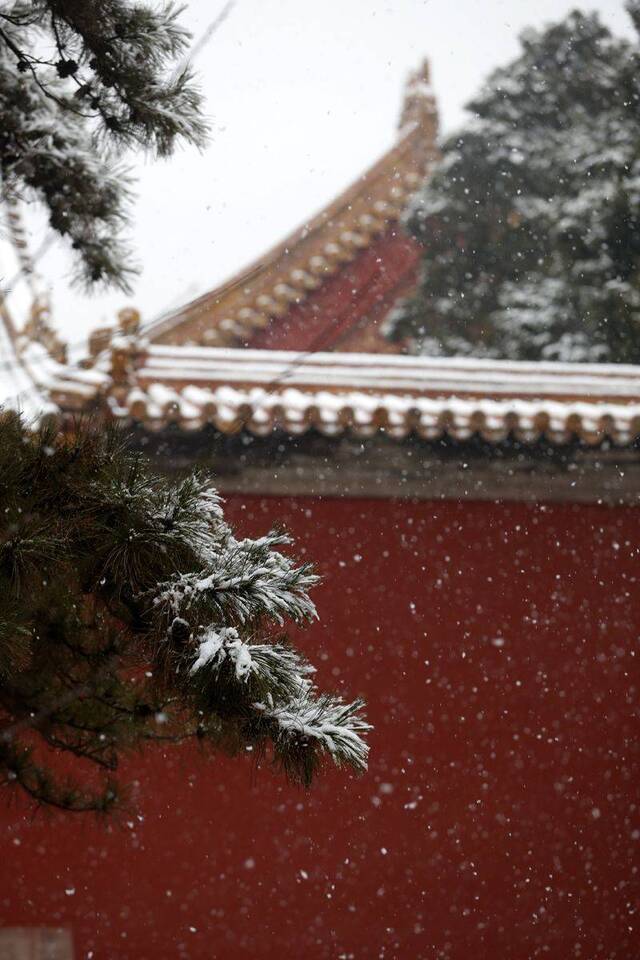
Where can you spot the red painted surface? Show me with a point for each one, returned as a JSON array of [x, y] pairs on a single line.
[[360, 294], [501, 814]]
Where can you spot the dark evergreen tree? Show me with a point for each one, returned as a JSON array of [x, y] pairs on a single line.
[[80, 80], [531, 223], [129, 613]]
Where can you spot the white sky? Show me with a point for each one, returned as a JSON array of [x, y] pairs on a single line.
[[303, 97]]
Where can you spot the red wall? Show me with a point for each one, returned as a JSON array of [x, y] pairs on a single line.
[[500, 817]]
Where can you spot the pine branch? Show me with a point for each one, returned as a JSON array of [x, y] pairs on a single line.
[[46, 790], [110, 85], [129, 612]]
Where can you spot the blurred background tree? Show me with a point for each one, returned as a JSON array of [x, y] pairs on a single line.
[[81, 80], [531, 223]]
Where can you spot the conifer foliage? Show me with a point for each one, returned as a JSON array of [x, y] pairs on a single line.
[[531, 224], [129, 612], [80, 80]]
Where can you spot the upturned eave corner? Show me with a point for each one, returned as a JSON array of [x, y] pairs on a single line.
[[284, 277]]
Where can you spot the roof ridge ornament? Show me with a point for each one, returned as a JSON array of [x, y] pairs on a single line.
[[126, 352], [38, 328], [419, 108]]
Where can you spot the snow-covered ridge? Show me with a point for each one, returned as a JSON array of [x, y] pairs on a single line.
[[376, 372], [334, 393], [363, 394]]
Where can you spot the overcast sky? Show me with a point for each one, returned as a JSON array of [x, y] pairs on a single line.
[[303, 97]]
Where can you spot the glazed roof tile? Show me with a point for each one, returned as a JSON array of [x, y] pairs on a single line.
[[362, 394]]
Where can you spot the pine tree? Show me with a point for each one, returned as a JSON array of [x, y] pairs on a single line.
[[131, 613], [531, 224], [80, 82]]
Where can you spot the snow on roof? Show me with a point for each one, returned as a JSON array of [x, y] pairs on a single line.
[[366, 393], [335, 393]]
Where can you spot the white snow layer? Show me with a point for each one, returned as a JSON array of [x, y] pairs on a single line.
[[217, 644]]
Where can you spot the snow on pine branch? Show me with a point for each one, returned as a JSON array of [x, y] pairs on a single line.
[[280, 667], [192, 513], [266, 683], [247, 579], [221, 644], [79, 84], [290, 699], [330, 723]]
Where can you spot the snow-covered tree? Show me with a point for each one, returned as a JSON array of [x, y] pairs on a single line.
[[531, 224], [130, 612], [80, 80]]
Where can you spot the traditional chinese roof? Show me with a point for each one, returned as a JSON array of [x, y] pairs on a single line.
[[363, 394], [337, 272], [261, 392], [161, 375]]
